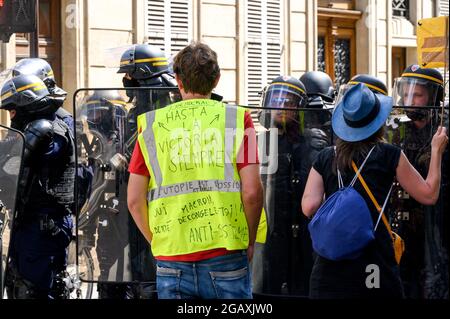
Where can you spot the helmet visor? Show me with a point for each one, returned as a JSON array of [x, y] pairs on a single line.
[[342, 90], [114, 57], [410, 91], [27, 93], [283, 97], [96, 114], [345, 87]]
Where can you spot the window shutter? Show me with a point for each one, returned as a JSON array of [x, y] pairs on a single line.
[[264, 49], [155, 23], [180, 30], [169, 24], [443, 7], [273, 39]]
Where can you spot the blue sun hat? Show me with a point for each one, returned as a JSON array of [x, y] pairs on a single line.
[[360, 114]]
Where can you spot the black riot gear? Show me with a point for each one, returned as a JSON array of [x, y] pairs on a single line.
[[105, 111], [418, 87], [40, 68], [43, 70], [104, 219], [284, 92], [145, 65], [38, 135], [25, 92], [283, 263], [43, 224], [30, 98], [373, 83], [143, 61], [11, 152], [318, 84], [424, 228]]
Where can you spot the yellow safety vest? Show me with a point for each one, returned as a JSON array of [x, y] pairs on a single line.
[[194, 198]]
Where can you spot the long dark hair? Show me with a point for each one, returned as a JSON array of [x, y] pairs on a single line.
[[346, 152]]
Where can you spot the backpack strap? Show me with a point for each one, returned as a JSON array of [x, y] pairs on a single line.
[[374, 201], [358, 172], [340, 181]]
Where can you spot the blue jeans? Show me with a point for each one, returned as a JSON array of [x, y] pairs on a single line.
[[223, 277]]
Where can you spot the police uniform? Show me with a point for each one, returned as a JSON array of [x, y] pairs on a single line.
[[145, 66], [424, 265], [283, 264], [43, 226], [105, 214]]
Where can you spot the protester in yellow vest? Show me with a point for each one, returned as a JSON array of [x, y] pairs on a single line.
[[194, 189]]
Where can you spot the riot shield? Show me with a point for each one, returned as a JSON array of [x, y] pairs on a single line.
[[11, 151], [288, 142], [424, 264], [111, 249]]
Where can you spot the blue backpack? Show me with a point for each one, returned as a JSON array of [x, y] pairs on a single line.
[[343, 225]]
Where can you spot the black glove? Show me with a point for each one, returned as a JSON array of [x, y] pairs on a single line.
[[317, 138], [38, 137]]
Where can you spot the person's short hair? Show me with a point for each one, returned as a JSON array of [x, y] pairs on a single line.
[[197, 67]]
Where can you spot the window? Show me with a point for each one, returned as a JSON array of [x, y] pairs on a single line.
[[169, 24], [264, 46], [400, 8], [336, 47], [398, 62], [442, 7], [49, 36], [336, 53]]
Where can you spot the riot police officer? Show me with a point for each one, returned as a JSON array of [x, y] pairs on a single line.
[[105, 212], [321, 94], [424, 266], [43, 70], [373, 83], [282, 265], [42, 228], [144, 65], [320, 88]]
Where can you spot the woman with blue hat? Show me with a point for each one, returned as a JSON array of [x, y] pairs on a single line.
[[358, 122]]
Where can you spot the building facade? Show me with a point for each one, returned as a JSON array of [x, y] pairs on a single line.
[[256, 40]]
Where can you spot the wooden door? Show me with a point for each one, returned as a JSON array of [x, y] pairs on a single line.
[[49, 36], [398, 62], [336, 39], [337, 53]]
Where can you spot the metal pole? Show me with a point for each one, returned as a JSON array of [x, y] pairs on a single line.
[[34, 37]]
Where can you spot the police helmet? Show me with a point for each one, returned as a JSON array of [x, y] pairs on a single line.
[[143, 61], [373, 83], [104, 110], [318, 83], [418, 87], [26, 93], [285, 92], [40, 68]]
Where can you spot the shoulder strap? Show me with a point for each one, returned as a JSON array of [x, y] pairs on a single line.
[[340, 181], [358, 172], [374, 201]]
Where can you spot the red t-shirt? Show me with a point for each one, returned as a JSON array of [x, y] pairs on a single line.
[[244, 158]]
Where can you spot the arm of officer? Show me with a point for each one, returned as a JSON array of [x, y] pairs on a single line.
[[137, 203], [313, 194], [424, 191], [252, 198]]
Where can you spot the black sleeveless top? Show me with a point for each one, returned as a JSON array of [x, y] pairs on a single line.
[[348, 278]]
